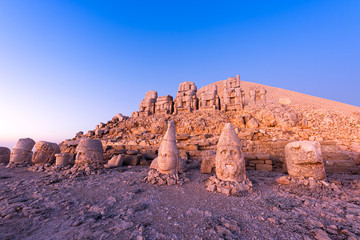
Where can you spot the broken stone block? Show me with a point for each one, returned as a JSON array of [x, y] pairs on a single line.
[[147, 105], [234, 96], [45, 153], [62, 159], [209, 99], [4, 155], [164, 105], [115, 161], [264, 167], [89, 151], [304, 159], [22, 152]]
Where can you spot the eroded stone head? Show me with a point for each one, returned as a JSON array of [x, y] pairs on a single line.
[[22, 152], [304, 159], [89, 151], [229, 161], [45, 153]]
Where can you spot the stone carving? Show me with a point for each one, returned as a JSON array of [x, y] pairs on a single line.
[[168, 160], [62, 159], [147, 105], [257, 95], [45, 153], [22, 152], [4, 155], [209, 98], [186, 99], [234, 96], [164, 105], [115, 161], [89, 151], [304, 159], [229, 165]]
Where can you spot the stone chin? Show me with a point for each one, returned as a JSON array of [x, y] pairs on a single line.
[[167, 162]]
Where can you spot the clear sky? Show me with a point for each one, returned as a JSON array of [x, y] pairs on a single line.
[[65, 66]]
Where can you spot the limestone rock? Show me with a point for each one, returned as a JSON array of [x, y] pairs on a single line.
[[89, 151], [4, 155], [304, 159], [234, 96], [209, 99], [164, 105], [62, 159], [115, 161], [45, 153], [147, 105], [186, 99], [22, 152]]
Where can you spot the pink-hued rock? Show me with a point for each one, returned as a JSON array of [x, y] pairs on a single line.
[[22, 152], [304, 159], [62, 159], [164, 105], [186, 99], [147, 105], [45, 153], [208, 98], [4, 155], [89, 151], [234, 96]]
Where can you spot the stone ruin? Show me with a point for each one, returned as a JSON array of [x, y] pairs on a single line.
[[147, 105], [229, 165], [257, 96], [166, 167], [209, 99], [89, 152], [304, 159], [115, 161], [45, 153], [164, 105], [186, 100], [234, 96], [63, 159], [4, 155], [22, 152]]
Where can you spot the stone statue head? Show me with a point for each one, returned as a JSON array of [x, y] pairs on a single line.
[[168, 157], [45, 152], [89, 151], [229, 161]]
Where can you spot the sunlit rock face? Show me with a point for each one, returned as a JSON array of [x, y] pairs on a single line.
[[304, 159], [62, 159], [208, 98], [186, 100], [234, 96], [45, 153], [168, 160], [22, 152], [4, 155], [164, 105], [229, 161], [147, 105], [89, 151], [257, 95]]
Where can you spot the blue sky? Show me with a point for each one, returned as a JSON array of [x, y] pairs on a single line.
[[65, 66]]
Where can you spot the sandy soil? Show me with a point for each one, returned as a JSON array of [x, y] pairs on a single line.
[[118, 204]]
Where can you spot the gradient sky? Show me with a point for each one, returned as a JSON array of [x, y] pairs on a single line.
[[65, 66]]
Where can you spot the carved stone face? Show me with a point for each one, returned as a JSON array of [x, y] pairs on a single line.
[[167, 162], [230, 165]]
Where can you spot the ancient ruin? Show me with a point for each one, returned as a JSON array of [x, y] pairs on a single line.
[[234, 96], [209, 99], [164, 105], [257, 96], [89, 151], [304, 159], [4, 155], [147, 105], [229, 165], [62, 159], [45, 153], [22, 152], [186, 99], [115, 161]]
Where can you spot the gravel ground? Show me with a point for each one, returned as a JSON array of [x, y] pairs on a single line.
[[119, 204]]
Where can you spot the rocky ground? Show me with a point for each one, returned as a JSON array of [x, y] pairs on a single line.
[[119, 204]]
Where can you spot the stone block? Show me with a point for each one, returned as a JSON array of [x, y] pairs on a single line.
[[131, 160], [264, 167]]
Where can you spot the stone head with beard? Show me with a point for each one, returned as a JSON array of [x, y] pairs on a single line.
[[229, 161]]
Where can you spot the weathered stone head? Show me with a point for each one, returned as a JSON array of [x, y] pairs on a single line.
[[89, 151], [229, 161], [168, 156], [45, 153], [304, 159], [22, 152], [4, 155]]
